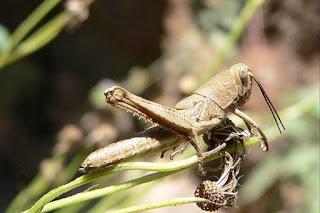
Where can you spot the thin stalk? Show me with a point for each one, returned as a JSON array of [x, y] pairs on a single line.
[[246, 14], [25, 27], [39, 185], [42, 183], [159, 204], [84, 196], [299, 109], [38, 39], [163, 169], [16, 49], [122, 199]]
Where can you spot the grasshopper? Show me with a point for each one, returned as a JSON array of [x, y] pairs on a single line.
[[200, 112]]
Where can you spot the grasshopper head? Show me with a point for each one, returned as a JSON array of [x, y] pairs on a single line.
[[242, 76]]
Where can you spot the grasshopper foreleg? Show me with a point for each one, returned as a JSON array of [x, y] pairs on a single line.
[[250, 122]]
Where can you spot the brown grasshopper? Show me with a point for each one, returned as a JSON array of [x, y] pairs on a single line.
[[204, 110]]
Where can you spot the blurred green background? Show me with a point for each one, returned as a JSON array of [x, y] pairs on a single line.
[[55, 65]]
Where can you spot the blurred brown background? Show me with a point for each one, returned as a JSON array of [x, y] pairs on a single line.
[[149, 46]]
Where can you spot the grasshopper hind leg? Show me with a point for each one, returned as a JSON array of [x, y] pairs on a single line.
[[196, 144]]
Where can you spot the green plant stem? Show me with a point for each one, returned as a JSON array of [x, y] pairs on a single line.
[[122, 199], [15, 49], [131, 200], [41, 183], [246, 14], [26, 26], [103, 191], [301, 107], [110, 202], [27, 196], [34, 190], [38, 39], [74, 208], [37, 207], [163, 169], [159, 204]]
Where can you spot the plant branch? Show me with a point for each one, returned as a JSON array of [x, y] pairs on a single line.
[[246, 14], [25, 27], [159, 204], [163, 169]]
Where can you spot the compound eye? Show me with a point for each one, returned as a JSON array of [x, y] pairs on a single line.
[[243, 72]]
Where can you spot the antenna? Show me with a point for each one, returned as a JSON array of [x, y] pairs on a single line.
[[270, 105]]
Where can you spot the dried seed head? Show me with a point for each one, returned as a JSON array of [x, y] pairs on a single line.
[[210, 191], [220, 193]]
